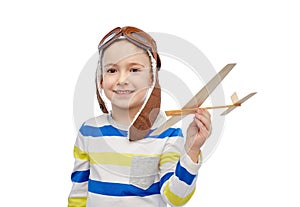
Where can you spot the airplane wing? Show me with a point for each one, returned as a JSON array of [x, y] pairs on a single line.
[[198, 99]]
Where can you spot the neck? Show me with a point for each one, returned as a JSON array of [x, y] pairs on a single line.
[[124, 116]]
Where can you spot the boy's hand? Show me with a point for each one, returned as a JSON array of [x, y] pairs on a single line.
[[197, 133]]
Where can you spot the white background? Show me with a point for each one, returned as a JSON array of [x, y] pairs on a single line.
[[45, 44]]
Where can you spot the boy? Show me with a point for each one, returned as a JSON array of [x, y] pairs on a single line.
[[117, 161]]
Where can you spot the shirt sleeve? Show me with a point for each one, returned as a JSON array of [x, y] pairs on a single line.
[[80, 174], [178, 172]]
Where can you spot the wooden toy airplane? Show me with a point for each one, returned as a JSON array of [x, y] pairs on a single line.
[[235, 103], [200, 97]]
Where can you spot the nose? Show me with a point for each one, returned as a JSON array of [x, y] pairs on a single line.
[[123, 78]]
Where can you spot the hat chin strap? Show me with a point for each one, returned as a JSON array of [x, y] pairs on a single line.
[[147, 116], [98, 89], [101, 102]]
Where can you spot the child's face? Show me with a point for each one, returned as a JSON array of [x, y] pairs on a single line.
[[126, 75]]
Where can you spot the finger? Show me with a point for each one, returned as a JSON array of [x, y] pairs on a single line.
[[204, 112], [202, 129], [204, 119], [199, 124]]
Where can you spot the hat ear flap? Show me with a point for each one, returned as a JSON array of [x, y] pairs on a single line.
[[143, 123], [101, 102]]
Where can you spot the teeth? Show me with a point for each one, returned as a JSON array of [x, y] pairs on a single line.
[[123, 91]]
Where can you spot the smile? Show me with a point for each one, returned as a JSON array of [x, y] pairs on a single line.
[[123, 91]]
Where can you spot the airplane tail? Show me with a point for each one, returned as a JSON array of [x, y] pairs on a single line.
[[237, 102]]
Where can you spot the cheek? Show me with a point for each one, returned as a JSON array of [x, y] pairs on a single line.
[[142, 83], [107, 86], [147, 79], [107, 82]]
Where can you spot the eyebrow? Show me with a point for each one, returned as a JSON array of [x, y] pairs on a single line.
[[109, 65], [134, 63], [130, 64]]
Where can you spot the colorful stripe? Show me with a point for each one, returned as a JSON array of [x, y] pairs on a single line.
[[118, 189], [175, 199], [165, 178], [169, 157], [183, 174], [80, 154], [80, 176], [114, 158], [171, 132], [121, 189], [77, 201], [109, 130]]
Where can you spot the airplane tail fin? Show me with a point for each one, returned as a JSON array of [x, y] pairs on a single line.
[[237, 102]]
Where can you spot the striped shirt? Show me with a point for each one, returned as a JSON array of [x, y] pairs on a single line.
[[111, 171]]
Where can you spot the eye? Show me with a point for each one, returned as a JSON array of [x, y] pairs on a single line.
[[111, 70], [135, 70]]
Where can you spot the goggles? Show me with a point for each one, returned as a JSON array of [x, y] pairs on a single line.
[[135, 36]]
